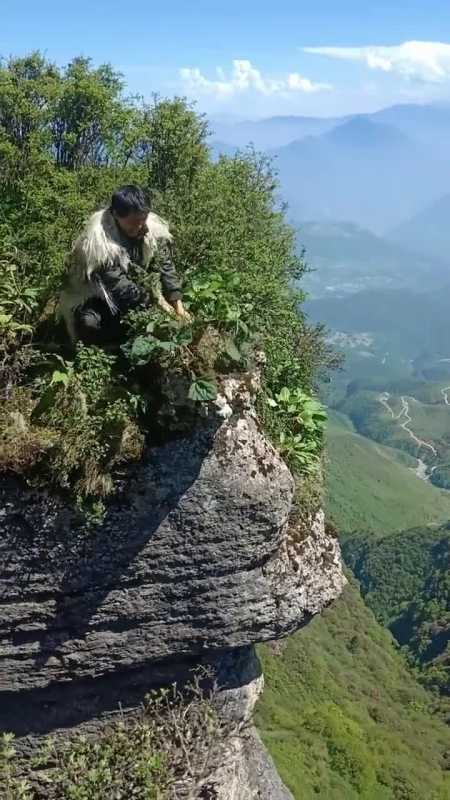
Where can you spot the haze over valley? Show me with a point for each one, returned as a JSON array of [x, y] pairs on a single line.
[[369, 198]]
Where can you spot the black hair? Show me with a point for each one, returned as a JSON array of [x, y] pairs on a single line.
[[129, 199]]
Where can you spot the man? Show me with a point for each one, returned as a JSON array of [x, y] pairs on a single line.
[[98, 289]]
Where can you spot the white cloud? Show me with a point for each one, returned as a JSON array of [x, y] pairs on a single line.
[[245, 77], [424, 61]]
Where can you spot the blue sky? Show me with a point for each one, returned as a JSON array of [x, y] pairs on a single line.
[[249, 58]]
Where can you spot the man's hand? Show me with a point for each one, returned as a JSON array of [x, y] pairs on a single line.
[[177, 308], [165, 306], [181, 311]]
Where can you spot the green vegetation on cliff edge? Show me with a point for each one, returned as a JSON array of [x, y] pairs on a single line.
[[68, 137]]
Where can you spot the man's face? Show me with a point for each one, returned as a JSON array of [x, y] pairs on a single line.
[[134, 225]]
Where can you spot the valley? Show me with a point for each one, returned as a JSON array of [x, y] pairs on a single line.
[[368, 197], [388, 471], [409, 415], [374, 487]]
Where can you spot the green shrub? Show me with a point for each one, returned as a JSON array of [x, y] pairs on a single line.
[[165, 751], [301, 420], [67, 138]]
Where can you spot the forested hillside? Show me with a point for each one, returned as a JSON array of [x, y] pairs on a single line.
[[342, 710], [343, 717], [405, 580]]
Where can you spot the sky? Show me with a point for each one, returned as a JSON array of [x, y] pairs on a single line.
[[250, 59]]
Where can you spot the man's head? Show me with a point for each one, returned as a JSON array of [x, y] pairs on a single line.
[[129, 208]]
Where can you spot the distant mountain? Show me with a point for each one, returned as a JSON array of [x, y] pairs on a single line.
[[362, 132], [271, 132], [428, 124], [363, 171], [428, 231], [347, 258], [376, 170]]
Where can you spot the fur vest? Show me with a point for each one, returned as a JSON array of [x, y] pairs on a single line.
[[99, 246]]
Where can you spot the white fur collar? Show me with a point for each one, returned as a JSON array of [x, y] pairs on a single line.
[[100, 243]]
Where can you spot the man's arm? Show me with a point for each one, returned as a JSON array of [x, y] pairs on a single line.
[[124, 293], [170, 281]]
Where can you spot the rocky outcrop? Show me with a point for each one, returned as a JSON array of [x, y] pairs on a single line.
[[194, 563], [249, 773]]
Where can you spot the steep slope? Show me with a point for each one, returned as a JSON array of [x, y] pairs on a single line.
[[341, 711], [197, 559], [343, 717], [372, 487]]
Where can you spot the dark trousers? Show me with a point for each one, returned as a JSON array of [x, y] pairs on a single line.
[[95, 324]]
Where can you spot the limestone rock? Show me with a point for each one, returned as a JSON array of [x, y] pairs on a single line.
[[250, 773], [195, 562]]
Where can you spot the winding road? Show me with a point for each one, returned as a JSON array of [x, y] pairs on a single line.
[[404, 412], [423, 471]]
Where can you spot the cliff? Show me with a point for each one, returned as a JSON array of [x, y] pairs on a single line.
[[195, 562]]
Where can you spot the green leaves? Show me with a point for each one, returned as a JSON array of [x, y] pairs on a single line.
[[301, 422], [142, 350], [202, 390], [232, 351], [7, 323], [18, 298], [284, 396], [216, 299], [49, 395], [60, 377], [153, 335]]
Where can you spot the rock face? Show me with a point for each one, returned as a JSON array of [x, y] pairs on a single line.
[[194, 563]]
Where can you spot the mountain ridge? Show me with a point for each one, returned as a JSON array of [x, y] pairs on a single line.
[[377, 169]]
